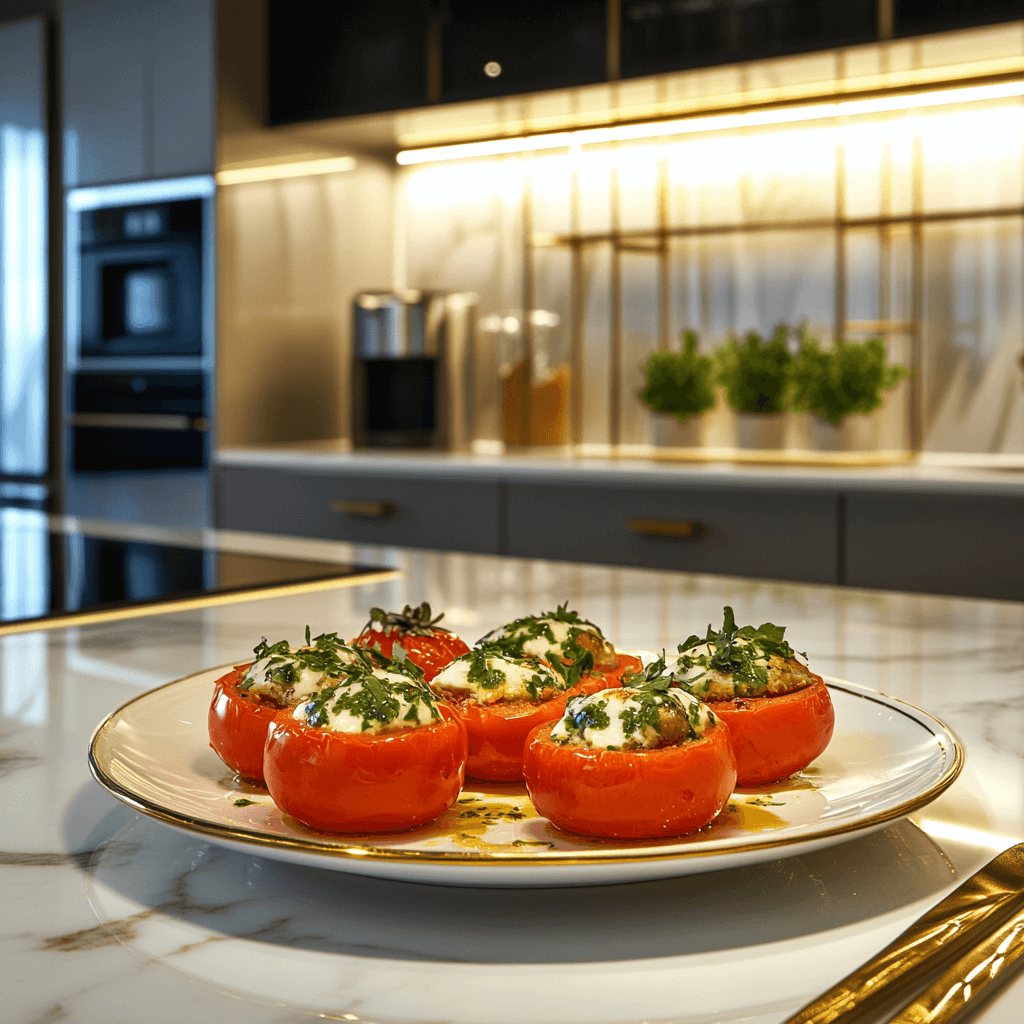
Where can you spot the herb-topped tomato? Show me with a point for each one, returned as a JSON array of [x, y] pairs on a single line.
[[574, 647], [779, 713], [637, 762], [373, 752], [246, 700], [424, 642], [501, 699]]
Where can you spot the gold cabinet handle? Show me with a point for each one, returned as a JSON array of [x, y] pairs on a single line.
[[682, 529], [366, 509]]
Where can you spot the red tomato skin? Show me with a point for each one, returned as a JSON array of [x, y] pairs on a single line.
[[498, 732], [625, 664], [238, 726], [430, 652], [630, 794], [348, 782], [773, 737]]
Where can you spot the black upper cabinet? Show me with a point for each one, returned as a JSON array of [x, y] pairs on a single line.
[[331, 59], [915, 17], [513, 46], [661, 35]]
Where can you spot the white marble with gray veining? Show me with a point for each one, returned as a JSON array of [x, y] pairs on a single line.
[[109, 917]]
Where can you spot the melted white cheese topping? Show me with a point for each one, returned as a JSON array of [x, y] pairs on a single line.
[[267, 681], [541, 646], [615, 703], [343, 720], [455, 678]]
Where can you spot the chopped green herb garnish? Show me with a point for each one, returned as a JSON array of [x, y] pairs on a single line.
[[374, 700], [242, 802], [740, 652]]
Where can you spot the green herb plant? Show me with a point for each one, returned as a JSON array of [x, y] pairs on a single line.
[[848, 378], [681, 384], [756, 373]]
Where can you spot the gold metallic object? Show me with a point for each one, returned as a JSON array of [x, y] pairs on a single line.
[[187, 604], [971, 979], [992, 898], [366, 509], [684, 529]]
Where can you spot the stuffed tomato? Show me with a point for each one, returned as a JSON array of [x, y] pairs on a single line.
[[374, 752], [247, 699], [424, 642], [779, 713], [631, 763], [501, 700]]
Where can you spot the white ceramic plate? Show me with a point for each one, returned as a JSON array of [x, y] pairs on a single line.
[[885, 760]]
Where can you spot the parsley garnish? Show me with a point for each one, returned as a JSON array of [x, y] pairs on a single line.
[[740, 652], [569, 658], [326, 654], [372, 699]]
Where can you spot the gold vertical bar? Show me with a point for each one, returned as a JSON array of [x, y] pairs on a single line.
[[886, 19], [615, 312], [434, 58], [917, 390], [613, 40], [578, 301], [839, 330], [529, 292], [664, 265]]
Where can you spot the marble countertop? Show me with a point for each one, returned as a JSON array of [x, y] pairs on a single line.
[[110, 916], [929, 473]]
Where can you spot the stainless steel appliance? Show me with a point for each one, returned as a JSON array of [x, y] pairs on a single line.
[[139, 391], [412, 351]]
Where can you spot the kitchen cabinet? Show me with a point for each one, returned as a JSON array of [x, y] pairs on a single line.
[[515, 46], [452, 515], [779, 534], [138, 90], [662, 35], [328, 60], [971, 545], [927, 532]]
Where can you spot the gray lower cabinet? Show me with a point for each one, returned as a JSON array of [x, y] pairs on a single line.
[[762, 532], [970, 545], [445, 514]]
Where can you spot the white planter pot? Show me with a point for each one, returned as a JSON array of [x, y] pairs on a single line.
[[670, 432], [854, 433], [762, 430]]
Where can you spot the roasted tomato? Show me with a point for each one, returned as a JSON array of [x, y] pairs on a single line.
[[502, 700], [640, 763], [426, 644], [238, 725], [779, 713], [375, 752], [246, 700], [773, 737]]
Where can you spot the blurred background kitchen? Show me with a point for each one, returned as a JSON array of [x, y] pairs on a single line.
[[393, 273]]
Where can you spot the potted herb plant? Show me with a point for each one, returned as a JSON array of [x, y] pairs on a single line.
[[755, 375], [840, 386], [680, 388]]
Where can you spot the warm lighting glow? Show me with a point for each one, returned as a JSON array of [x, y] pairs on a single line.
[[295, 169], [963, 834], [712, 123]]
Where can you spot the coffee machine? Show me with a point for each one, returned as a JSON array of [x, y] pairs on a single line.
[[412, 352]]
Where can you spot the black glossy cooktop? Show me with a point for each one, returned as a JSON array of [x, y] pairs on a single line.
[[46, 573]]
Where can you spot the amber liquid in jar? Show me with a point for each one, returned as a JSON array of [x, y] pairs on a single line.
[[534, 413]]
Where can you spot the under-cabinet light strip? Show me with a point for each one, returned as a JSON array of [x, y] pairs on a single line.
[[712, 123], [296, 169]]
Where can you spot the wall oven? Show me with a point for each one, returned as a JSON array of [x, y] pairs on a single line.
[[139, 388]]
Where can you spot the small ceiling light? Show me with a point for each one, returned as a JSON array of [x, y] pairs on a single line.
[[492, 69]]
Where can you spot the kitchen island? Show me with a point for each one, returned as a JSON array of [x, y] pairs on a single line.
[[111, 916]]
